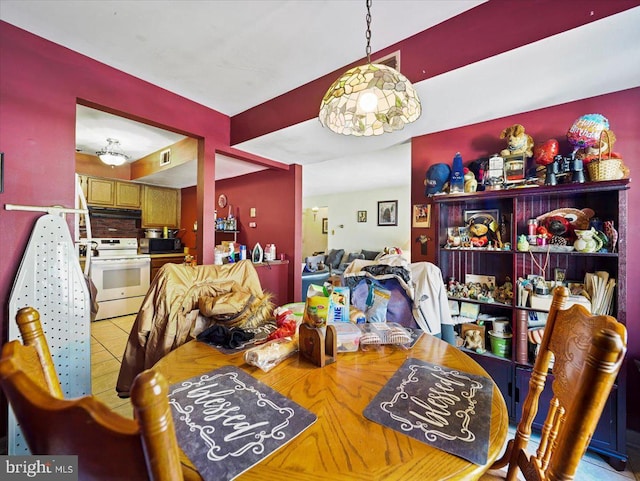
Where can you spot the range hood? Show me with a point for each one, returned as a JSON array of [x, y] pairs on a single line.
[[114, 213]]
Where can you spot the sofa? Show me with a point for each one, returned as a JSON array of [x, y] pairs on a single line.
[[318, 268]]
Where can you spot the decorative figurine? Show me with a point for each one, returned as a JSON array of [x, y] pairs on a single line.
[[523, 244], [470, 182], [612, 234], [587, 241], [473, 339]]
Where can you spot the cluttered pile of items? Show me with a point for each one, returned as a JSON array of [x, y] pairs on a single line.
[[526, 163], [327, 324]]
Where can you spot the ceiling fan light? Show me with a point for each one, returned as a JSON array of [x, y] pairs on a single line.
[[112, 153]]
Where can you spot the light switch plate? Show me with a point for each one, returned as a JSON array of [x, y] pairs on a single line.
[[252, 212]]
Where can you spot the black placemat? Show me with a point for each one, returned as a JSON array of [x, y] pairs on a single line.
[[227, 421], [260, 334], [442, 407]]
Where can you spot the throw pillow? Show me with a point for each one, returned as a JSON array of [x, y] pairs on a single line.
[[353, 256], [334, 258], [370, 255]]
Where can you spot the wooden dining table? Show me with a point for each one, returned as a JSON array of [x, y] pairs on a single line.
[[342, 444]]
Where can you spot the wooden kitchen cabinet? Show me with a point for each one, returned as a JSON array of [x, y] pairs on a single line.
[[128, 195], [101, 191], [160, 207], [112, 193], [158, 260]]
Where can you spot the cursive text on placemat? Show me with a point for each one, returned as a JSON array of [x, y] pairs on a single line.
[[227, 421], [443, 407]]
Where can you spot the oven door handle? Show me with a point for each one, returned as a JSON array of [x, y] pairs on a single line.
[[127, 262]]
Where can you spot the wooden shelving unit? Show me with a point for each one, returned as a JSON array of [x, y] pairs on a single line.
[[515, 206]]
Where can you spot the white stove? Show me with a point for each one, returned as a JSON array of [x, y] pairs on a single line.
[[120, 275]]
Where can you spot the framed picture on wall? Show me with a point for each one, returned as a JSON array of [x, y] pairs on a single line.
[[422, 215], [325, 225], [388, 212], [362, 216]]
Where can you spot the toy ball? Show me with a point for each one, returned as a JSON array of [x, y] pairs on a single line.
[[585, 131], [544, 154]]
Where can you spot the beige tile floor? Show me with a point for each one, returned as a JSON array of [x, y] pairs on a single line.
[[109, 337], [108, 340]]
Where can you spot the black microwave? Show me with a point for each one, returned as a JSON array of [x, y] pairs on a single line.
[[160, 246]]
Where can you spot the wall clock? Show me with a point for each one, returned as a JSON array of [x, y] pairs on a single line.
[[222, 200]]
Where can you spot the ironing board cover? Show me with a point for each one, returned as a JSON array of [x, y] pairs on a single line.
[[50, 280]]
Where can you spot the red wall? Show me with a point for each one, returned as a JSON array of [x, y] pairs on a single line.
[[271, 194], [41, 83], [481, 140]]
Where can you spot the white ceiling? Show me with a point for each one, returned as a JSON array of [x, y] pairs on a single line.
[[256, 50]]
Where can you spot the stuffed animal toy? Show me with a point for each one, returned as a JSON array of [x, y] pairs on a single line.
[[602, 149], [561, 224], [561, 230], [517, 141], [391, 251], [482, 230]]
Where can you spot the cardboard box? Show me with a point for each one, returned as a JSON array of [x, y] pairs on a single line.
[[543, 303]]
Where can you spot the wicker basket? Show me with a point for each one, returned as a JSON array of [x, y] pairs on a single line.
[[605, 169]]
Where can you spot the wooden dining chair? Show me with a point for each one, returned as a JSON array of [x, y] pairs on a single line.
[[587, 353], [108, 445]]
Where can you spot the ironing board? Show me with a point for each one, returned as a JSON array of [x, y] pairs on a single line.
[[50, 280]]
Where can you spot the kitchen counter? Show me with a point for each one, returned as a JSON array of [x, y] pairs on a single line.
[[170, 254], [274, 278]]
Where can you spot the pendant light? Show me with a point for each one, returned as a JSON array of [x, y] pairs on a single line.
[[369, 99], [112, 153]]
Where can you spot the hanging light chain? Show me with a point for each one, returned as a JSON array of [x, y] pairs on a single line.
[[368, 34]]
